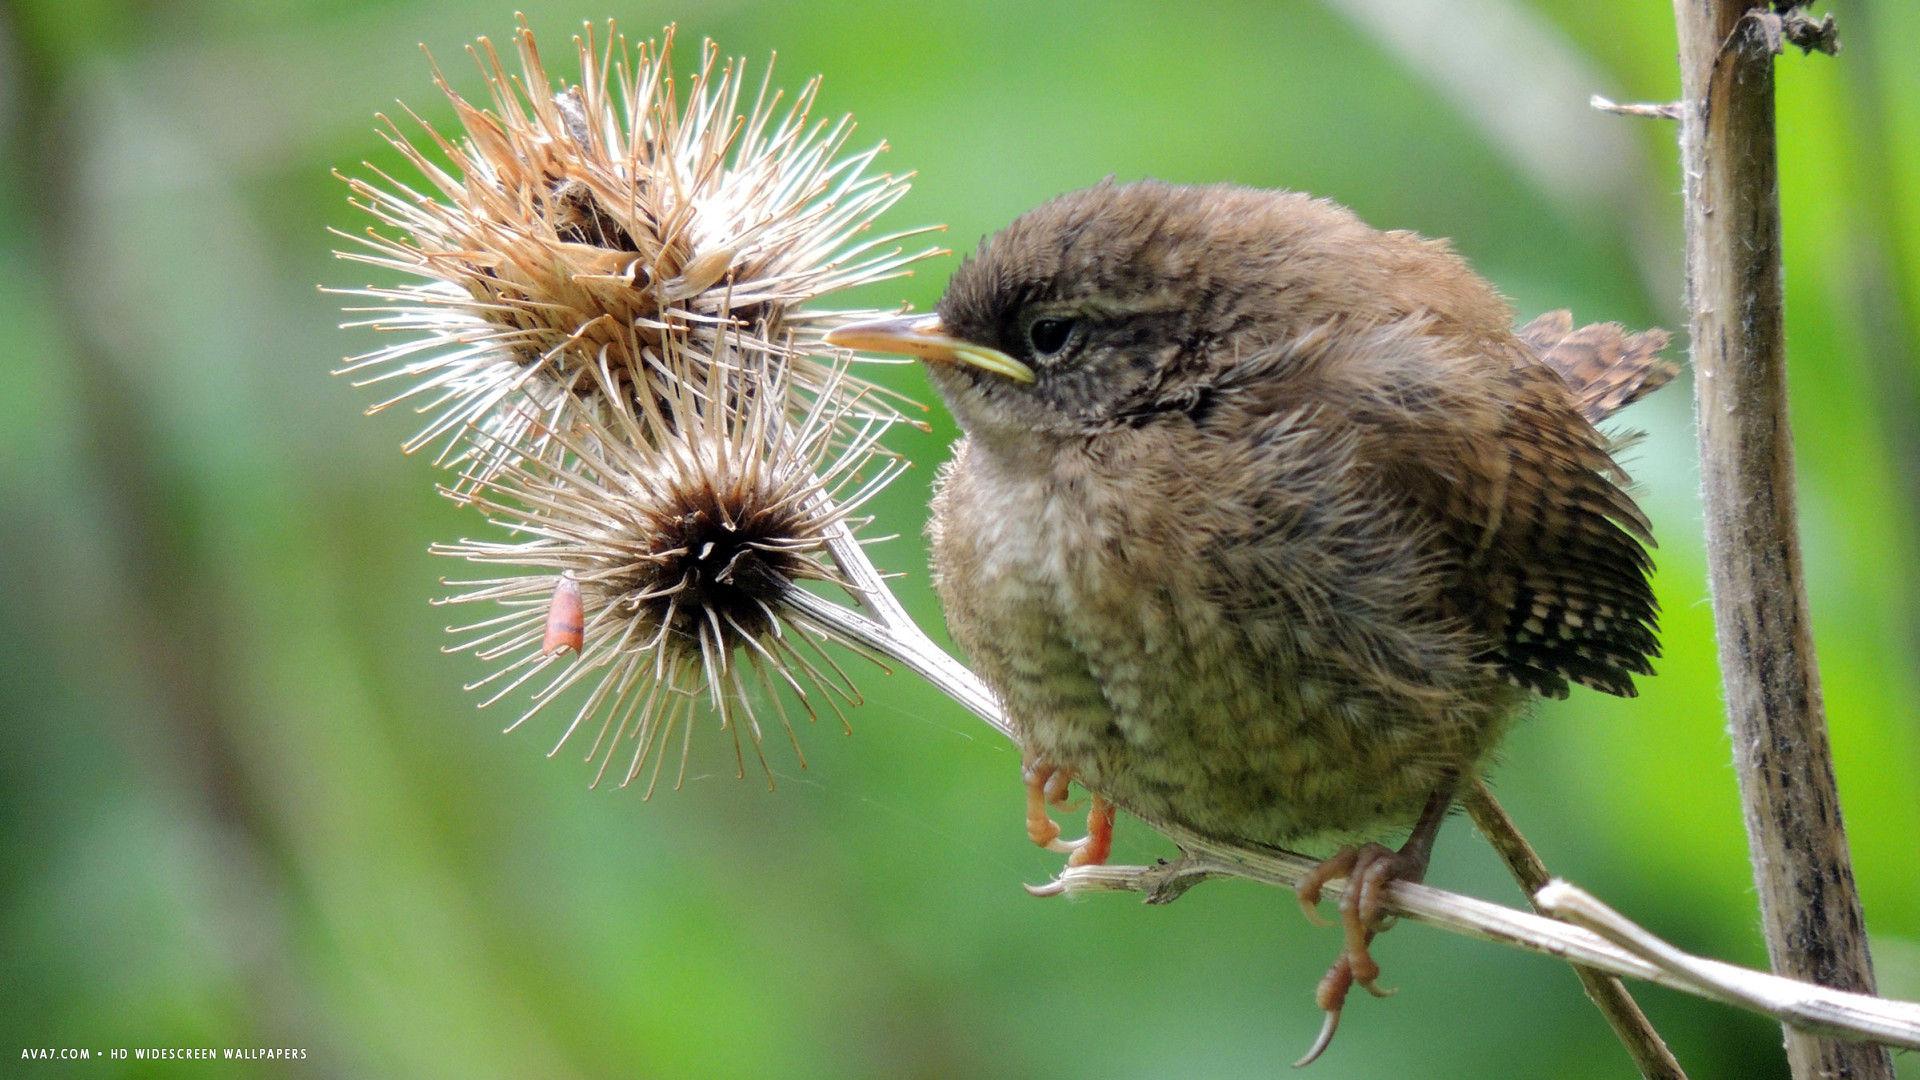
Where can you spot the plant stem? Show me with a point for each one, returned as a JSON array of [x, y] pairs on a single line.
[[1798, 844], [889, 631], [903, 641], [1608, 994]]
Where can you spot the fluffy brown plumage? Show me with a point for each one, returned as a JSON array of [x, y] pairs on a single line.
[[1288, 520]]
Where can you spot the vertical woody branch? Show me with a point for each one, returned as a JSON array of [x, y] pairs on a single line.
[[1808, 902]]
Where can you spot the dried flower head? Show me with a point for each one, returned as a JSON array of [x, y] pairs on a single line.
[[580, 228], [670, 533]]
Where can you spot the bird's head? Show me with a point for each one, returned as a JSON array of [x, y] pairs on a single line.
[[1103, 307]]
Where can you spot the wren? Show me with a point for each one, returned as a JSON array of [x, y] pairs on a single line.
[[1268, 523]]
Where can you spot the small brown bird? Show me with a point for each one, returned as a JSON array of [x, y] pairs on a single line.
[[1267, 522]]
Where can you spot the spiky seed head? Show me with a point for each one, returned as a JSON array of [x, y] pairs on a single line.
[[574, 227], [682, 520]]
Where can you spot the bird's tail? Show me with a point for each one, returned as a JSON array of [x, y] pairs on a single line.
[[1606, 367]]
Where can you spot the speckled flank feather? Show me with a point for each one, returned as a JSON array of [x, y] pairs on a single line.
[[1606, 367], [1544, 545], [1567, 574]]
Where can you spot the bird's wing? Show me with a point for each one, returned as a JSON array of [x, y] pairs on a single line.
[[1550, 549], [1484, 447]]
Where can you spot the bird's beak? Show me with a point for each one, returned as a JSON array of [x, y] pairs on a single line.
[[923, 336]]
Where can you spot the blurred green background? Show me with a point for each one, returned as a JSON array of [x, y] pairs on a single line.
[[245, 801]]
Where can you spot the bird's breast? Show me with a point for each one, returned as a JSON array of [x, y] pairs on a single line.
[[1075, 597], [1065, 595]]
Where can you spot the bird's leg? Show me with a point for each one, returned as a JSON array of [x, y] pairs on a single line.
[[1369, 869], [1098, 843], [1047, 787]]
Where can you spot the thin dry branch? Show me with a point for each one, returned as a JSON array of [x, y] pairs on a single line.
[[1800, 1006], [1593, 936], [1608, 994], [1665, 110], [886, 628], [1797, 842]]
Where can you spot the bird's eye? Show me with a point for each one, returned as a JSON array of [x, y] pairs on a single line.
[[1049, 335]]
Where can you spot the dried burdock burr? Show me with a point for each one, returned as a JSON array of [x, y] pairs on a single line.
[[568, 227], [672, 529], [610, 328], [1267, 523]]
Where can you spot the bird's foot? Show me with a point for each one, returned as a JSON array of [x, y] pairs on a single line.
[[1046, 788], [1368, 870]]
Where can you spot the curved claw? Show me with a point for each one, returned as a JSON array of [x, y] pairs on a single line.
[[1331, 996], [1311, 909], [1056, 887], [1046, 786], [1310, 887], [1321, 1041], [1368, 870], [1055, 785]]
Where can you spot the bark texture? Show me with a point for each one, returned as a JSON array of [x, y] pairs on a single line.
[[1808, 902]]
